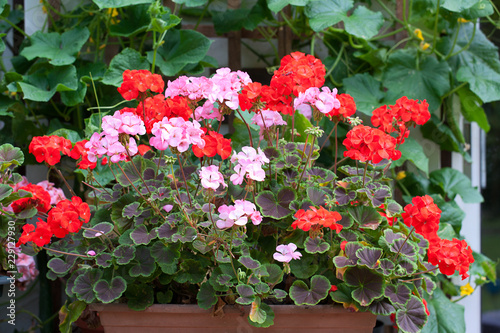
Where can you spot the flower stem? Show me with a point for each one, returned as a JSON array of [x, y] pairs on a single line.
[[185, 181], [66, 253], [307, 161]]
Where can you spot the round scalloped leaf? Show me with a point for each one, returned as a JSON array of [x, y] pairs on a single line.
[[191, 271], [247, 294], [248, 262], [386, 267], [185, 234], [315, 245], [350, 259], [316, 195], [368, 256], [206, 296], [405, 249], [344, 196], [132, 210], [276, 206], [366, 217], [166, 231], [124, 254], [399, 294], [262, 310], [104, 260], [279, 294], [382, 307], [305, 267], [165, 255], [273, 274], [301, 294], [343, 294], [143, 264], [84, 285], [139, 297], [141, 235], [5, 191], [61, 267], [412, 317], [99, 229], [10, 155], [261, 288], [108, 292], [392, 208], [369, 285], [389, 237]]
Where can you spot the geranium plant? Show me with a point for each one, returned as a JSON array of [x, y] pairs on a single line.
[[178, 213]]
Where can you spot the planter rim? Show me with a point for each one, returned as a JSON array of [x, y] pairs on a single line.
[[194, 308]]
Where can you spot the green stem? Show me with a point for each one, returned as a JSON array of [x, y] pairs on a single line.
[[436, 21], [248, 127], [6, 20], [184, 177], [466, 46], [449, 93], [390, 13], [335, 63], [66, 253], [388, 34], [307, 161]]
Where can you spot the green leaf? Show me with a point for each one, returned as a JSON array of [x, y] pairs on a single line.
[[167, 21], [191, 271], [261, 314], [277, 5], [412, 151], [134, 19], [364, 23], [429, 80], [71, 135], [5, 191], [366, 217], [483, 267], [10, 155], [119, 3], [453, 182], [458, 5], [446, 316], [139, 296], [366, 92], [325, 13], [472, 108], [412, 317], [483, 81], [60, 49], [84, 285], [69, 314], [206, 296], [276, 206], [369, 285], [181, 47], [126, 59], [143, 264], [45, 80], [108, 291], [247, 294], [301, 294]]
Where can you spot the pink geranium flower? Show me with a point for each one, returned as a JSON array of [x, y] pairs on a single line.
[[285, 253]]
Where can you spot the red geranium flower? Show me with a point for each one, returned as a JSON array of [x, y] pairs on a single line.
[[215, 143], [79, 152], [450, 256], [40, 199], [69, 215], [136, 82], [315, 219], [42, 234], [347, 107], [365, 143], [423, 215], [27, 234], [49, 148]]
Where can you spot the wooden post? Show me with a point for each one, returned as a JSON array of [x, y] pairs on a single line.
[[284, 35]]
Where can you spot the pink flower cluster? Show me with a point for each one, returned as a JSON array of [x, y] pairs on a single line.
[[211, 178], [324, 100], [223, 87], [25, 265], [248, 162], [178, 133], [108, 142], [285, 253], [238, 214], [266, 119], [56, 194]]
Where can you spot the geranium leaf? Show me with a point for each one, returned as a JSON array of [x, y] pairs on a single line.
[[317, 196], [305, 267], [143, 264], [343, 294], [60, 49], [248, 262], [301, 294], [190, 271], [412, 317], [386, 267], [206, 296], [165, 255], [366, 217], [263, 309], [84, 285], [185, 234], [10, 155], [399, 294], [60, 266], [276, 206], [382, 307], [139, 296], [108, 292], [98, 230], [368, 284], [344, 196], [166, 231], [316, 245], [247, 294], [132, 210], [104, 260], [141, 235], [404, 248], [279, 294], [368, 256], [124, 254]]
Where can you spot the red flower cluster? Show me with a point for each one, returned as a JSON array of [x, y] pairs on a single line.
[[154, 109], [79, 153], [315, 219], [347, 107], [137, 82], [450, 256], [365, 143], [68, 216], [215, 143], [424, 216], [49, 148], [40, 199], [296, 74], [399, 117]]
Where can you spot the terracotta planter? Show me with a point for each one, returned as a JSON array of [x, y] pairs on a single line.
[[118, 318]]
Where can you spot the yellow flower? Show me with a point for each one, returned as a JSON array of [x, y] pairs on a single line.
[[418, 33], [102, 46], [466, 290], [113, 12], [462, 20], [424, 46], [401, 175]]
